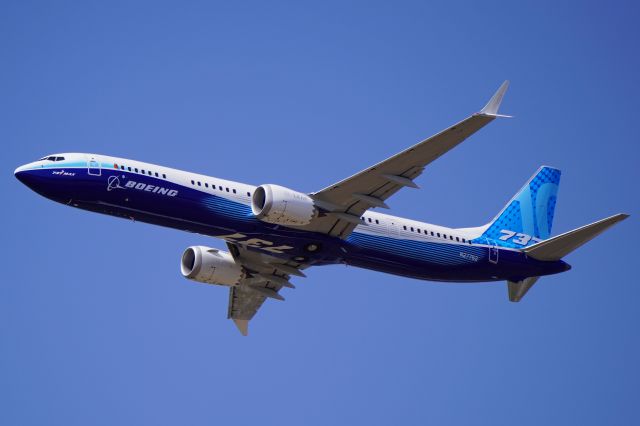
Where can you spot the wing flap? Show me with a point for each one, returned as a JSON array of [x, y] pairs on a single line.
[[266, 276]]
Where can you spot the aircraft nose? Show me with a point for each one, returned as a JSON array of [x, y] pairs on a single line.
[[20, 172], [34, 178], [29, 176]]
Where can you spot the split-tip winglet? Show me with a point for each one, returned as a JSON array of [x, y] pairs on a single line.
[[491, 108]]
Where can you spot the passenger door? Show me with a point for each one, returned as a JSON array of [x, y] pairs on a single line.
[[93, 166]]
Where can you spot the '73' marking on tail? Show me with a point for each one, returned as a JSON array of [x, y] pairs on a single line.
[[521, 239]]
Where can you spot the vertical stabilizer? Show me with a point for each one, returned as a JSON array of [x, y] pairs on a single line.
[[528, 217]]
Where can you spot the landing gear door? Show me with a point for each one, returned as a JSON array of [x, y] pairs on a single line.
[[93, 166], [493, 251]]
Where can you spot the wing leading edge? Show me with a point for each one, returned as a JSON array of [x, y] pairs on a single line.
[[345, 201]]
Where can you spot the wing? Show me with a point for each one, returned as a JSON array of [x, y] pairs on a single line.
[[345, 202], [266, 275]]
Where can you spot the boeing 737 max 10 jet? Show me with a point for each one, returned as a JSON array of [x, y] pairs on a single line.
[[274, 233]]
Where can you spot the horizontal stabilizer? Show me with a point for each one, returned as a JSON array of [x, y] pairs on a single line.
[[557, 247], [517, 289]]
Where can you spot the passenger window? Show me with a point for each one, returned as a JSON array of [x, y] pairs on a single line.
[[248, 194], [234, 191], [164, 176], [369, 219], [412, 229], [199, 184], [377, 222], [438, 235], [419, 232], [451, 237], [227, 189], [432, 233], [129, 168], [404, 227], [121, 167], [220, 187], [193, 182], [457, 239], [136, 170], [206, 185], [142, 171]]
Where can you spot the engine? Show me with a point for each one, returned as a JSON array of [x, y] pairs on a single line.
[[210, 266], [282, 206]]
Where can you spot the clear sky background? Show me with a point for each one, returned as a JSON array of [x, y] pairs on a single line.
[[97, 325]]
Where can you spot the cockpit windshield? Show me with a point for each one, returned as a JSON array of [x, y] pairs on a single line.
[[51, 158]]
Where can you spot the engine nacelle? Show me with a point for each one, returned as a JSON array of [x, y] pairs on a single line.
[[282, 206], [210, 266]]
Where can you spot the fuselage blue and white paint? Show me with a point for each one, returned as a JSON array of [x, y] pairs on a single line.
[[221, 208]]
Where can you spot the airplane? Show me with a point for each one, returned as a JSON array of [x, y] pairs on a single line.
[[274, 233]]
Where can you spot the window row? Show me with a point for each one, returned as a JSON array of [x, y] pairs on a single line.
[[135, 170], [365, 219], [220, 187], [435, 234]]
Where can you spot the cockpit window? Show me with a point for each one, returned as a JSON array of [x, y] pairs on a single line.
[[51, 158], [59, 158]]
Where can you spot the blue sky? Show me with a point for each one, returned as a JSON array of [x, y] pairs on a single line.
[[97, 325]]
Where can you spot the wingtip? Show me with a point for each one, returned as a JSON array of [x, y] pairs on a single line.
[[492, 107], [243, 326]]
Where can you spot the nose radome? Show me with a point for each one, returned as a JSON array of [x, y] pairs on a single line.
[[19, 170]]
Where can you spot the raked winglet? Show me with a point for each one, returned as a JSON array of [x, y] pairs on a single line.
[[491, 108]]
